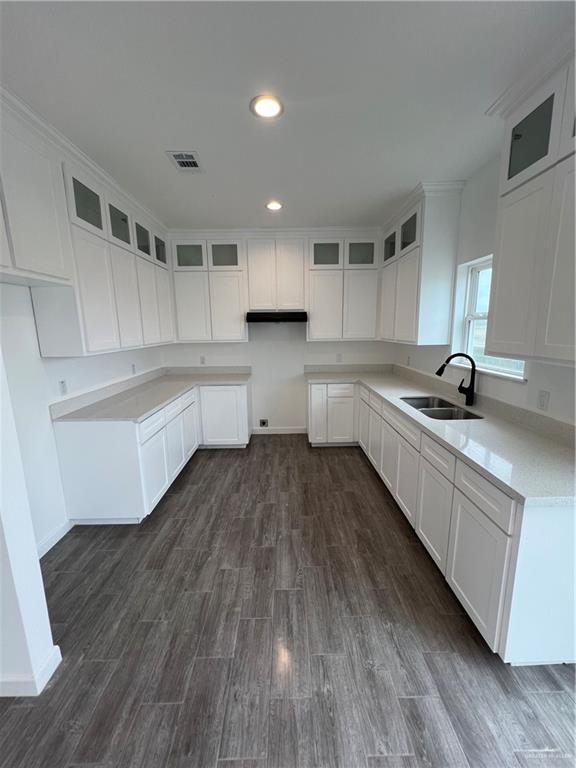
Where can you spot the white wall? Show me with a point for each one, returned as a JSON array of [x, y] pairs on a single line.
[[476, 239], [278, 354]]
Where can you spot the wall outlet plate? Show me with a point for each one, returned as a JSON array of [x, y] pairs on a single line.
[[543, 399], [263, 422]]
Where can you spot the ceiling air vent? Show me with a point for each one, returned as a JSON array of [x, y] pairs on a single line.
[[185, 161]]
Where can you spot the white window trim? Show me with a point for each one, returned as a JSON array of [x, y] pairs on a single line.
[[462, 318]]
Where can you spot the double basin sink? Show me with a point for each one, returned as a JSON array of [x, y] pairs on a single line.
[[437, 408]]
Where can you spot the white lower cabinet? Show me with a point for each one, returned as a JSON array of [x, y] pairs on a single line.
[[175, 456], [407, 479], [389, 462], [190, 429], [477, 561], [363, 425], [434, 512], [331, 413], [224, 415], [340, 419], [375, 439], [317, 414], [154, 464]]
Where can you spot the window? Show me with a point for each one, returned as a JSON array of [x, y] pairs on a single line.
[[478, 280]]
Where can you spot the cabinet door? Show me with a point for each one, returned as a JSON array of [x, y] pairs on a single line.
[[387, 301], [409, 229], [119, 222], [226, 254], [160, 253], [261, 273], [533, 134], [360, 304], [360, 253], [391, 245], [165, 307], [326, 254], [96, 291], [477, 563], [86, 202], [375, 439], [175, 446], [568, 130], [224, 415], [406, 304], [363, 425], [389, 464], [407, 479], [127, 298], [142, 239], [148, 301], [35, 207], [154, 469], [340, 419], [555, 327], [228, 306], [290, 273], [521, 240], [192, 306], [325, 311], [190, 428], [317, 414], [434, 512], [190, 255]]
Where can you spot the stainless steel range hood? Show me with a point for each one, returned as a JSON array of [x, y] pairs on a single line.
[[277, 316]]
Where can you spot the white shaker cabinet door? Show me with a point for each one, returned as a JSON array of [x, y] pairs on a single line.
[[407, 480], [290, 273], [261, 273], [389, 462], [148, 301], [555, 327], [228, 306], [175, 457], [127, 298], [477, 563], [325, 311], [318, 415], [387, 301], [224, 415], [154, 469], [165, 305], [360, 303], [340, 419], [96, 291], [363, 425], [192, 306], [406, 305], [375, 439], [190, 426], [434, 512]]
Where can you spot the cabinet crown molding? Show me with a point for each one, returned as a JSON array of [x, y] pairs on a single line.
[[422, 190]]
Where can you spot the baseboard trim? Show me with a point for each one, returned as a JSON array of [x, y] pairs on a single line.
[[22, 685], [279, 431], [53, 538]]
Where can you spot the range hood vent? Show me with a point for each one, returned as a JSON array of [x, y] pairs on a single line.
[[277, 316]]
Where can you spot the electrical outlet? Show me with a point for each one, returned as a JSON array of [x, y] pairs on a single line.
[[339, 357], [263, 422], [63, 387], [543, 399], [202, 360], [133, 368]]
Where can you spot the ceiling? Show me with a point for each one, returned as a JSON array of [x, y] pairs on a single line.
[[377, 96]]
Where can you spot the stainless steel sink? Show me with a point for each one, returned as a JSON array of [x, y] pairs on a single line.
[[447, 414], [437, 408]]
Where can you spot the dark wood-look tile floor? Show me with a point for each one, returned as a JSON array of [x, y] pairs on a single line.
[[275, 611]]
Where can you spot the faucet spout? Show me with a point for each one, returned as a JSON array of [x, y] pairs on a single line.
[[468, 391]]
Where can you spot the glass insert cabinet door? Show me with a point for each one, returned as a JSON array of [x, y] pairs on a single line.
[[159, 249], [390, 246], [142, 239], [326, 254], [225, 255], [409, 232], [190, 256], [360, 253], [119, 224], [87, 205], [530, 138]]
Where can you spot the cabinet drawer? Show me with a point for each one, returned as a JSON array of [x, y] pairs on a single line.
[[173, 409], [340, 390], [188, 398], [364, 393], [492, 501], [375, 402], [408, 431], [439, 457], [151, 425]]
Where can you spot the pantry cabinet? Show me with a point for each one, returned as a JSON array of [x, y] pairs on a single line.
[[192, 298], [434, 511], [125, 279]]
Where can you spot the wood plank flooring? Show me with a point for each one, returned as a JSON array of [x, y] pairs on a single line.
[[275, 611]]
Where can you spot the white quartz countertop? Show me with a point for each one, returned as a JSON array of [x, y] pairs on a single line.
[[528, 466], [141, 401]]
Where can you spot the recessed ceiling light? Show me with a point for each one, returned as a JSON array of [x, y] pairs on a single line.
[[274, 205], [266, 106]]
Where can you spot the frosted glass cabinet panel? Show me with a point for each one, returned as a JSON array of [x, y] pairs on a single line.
[[360, 254], [325, 254], [142, 239], [159, 249], [390, 246], [87, 204], [119, 225], [530, 138], [190, 256], [226, 255]]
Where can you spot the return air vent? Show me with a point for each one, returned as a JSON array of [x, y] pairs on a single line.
[[185, 161]]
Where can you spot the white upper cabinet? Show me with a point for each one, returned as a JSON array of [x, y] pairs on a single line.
[[226, 255], [409, 229], [165, 306], [406, 301], [532, 134], [325, 304], [568, 129], [262, 282], [142, 238], [192, 306], [521, 240], [96, 291], [360, 253], [387, 301], [119, 222], [360, 304], [228, 303], [326, 254], [127, 298], [148, 302], [289, 273], [160, 252], [190, 255], [555, 325], [35, 206], [391, 245], [86, 204]]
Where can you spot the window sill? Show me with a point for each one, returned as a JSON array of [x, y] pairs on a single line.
[[495, 374]]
